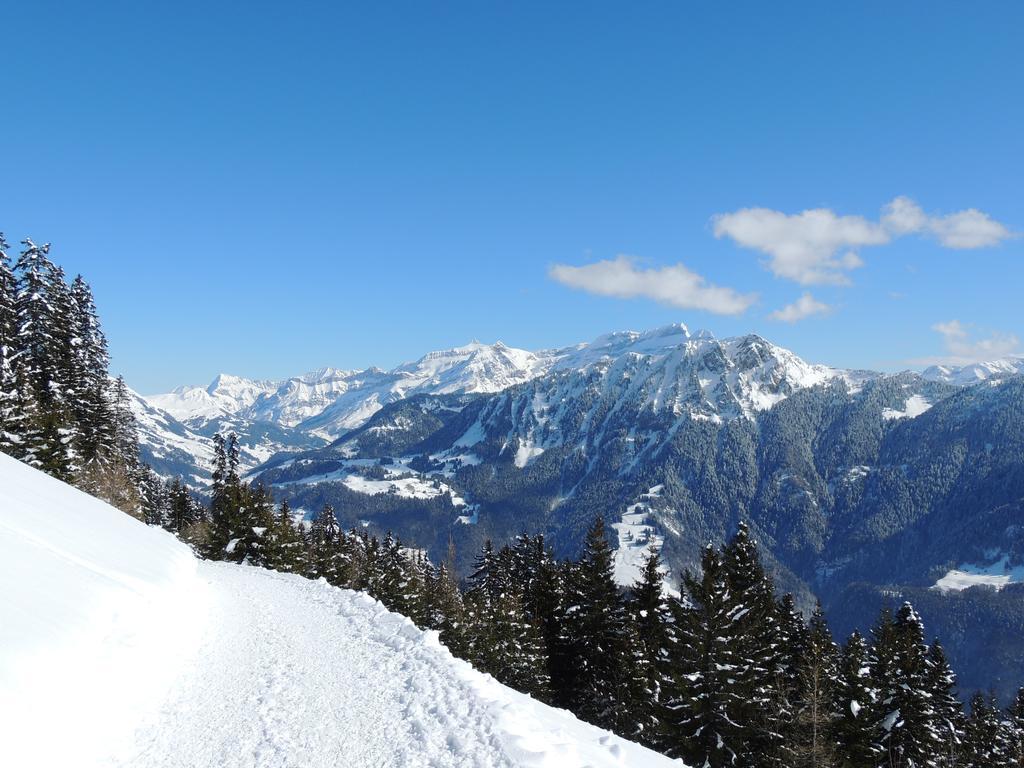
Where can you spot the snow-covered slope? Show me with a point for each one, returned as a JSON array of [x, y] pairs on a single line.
[[119, 649], [98, 613]]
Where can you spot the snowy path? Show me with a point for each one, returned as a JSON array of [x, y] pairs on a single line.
[[298, 674]]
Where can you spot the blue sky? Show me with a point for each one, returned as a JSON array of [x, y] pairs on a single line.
[[269, 188]]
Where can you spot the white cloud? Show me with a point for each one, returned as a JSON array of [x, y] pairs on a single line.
[[969, 229], [966, 229], [818, 246], [903, 216], [804, 247], [676, 286], [962, 349], [802, 308]]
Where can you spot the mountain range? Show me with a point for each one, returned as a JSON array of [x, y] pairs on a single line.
[[862, 487]]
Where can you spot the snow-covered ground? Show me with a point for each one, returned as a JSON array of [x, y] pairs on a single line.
[[100, 613], [119, 649], [996, 575], [636, 538], [914, 407]]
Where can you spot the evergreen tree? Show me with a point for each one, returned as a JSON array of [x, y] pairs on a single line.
[[855, 707], [705, 699], [12, 412], [115, 473], [987, 736], [285, 545], [448, 614], [1015, 722], [908, 733], [650, 621], [789, 684], [948, 711], [816, 716], [40, 352], [764, 674], [227, 517], [89, 384], [326, 557], [540, 579], [595, 626], [392, 576], [256, 519]]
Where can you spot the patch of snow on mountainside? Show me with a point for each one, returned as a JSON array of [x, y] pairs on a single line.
[[148, 658], [996, 575], [636, 538], [914, 407]]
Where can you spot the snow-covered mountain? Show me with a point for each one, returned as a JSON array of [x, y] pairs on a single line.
[[306, 411], [666, 370], [331, 401], [974, 373], [149, 658]]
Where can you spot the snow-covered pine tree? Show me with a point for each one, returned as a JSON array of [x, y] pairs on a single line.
[[362, 551], [948, 711], [793, 642], [228, 516], [596, 632], [64, 377], [855, 707], [116, 476], [815, 716], [988, 741], [38, 355], [326, 558], [1015, 721], [284, 543], [763, 674], [392, 576], [256, 518], [220, 500], [11, 414], [505, 643], [184, 510], [89, 382], [449, 613], [908, 729], [539, 577], [651, 624], [156, 508], [422, 575], [704, 700]]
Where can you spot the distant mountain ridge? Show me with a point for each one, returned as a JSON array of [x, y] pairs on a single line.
[[714, 379]]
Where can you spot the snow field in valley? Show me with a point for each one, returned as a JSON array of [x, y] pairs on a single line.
[[120, 649]]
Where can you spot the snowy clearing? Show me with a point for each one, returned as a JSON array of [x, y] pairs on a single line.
[[914, 407], [997, 575], [636, 537], [145, 657]]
